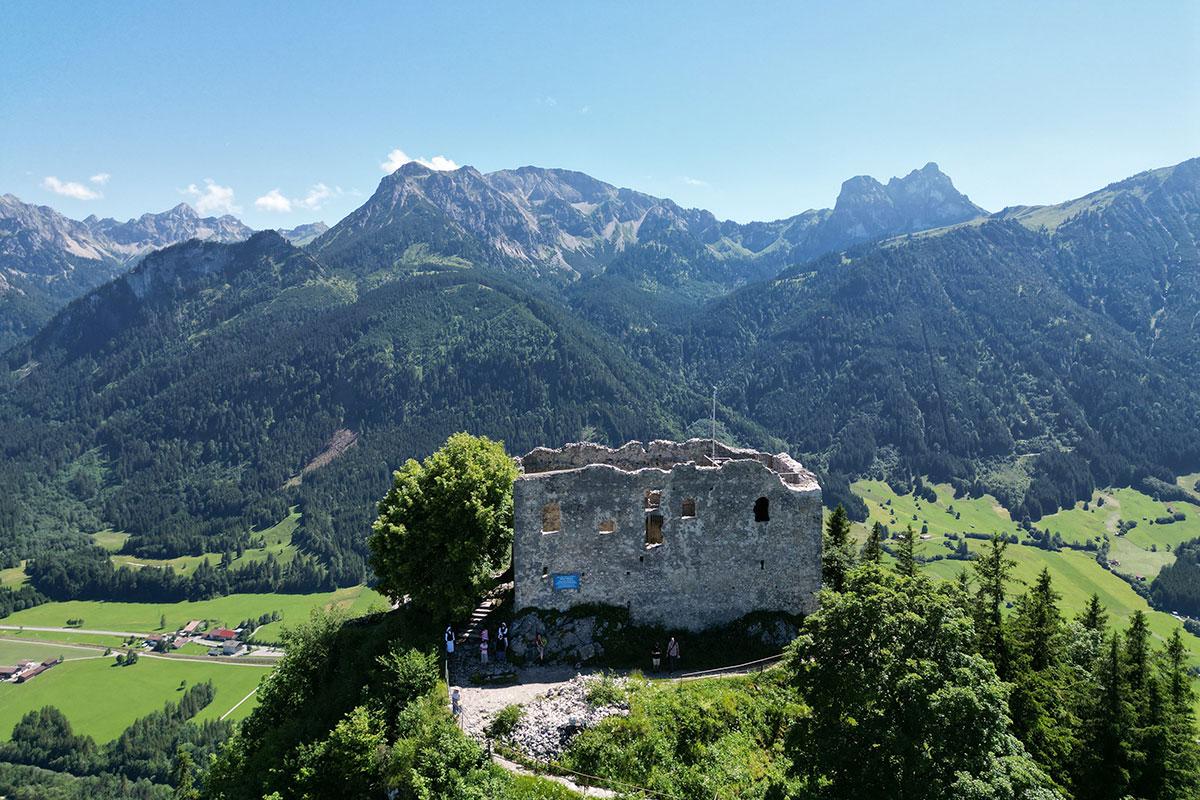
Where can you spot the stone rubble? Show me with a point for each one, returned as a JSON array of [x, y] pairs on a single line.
[[553, 720]]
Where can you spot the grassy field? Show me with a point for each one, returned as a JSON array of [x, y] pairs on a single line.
[[12, 652], [101, 699], [276, 541], [65, 637], [13, 577], [1075, 573], [145, 617]]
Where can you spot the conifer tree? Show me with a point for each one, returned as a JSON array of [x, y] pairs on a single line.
[[873, 549], [993, 569], [906, 559], [1102, 770], [1093, 617], [839, 556]]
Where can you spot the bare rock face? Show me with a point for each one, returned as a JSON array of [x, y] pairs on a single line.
[[686, 535]]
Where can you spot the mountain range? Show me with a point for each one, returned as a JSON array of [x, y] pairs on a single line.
[[47, 259], [1033, 352]]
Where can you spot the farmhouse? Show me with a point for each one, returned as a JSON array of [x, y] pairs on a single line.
[[687, 534], [221, 635]]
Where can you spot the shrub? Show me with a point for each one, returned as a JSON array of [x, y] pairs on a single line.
[[604, 691], [505, 722]]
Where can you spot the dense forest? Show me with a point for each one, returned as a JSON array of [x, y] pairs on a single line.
[[1035, 354]]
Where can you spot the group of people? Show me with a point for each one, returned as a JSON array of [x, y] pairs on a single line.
[[672, 655], [499, 647]]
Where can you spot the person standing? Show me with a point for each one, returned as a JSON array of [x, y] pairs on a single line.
[[483, 652], [672, 653], [455, 698], [449, 640], [501, 648], [656, 656], [540, 641]]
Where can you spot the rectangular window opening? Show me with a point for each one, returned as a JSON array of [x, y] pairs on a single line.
[[607, 526], [688, 509], [654, 534]]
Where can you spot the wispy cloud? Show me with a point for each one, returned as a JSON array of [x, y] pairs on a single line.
[[398, 158], [694, 181], [545, 101], [213, 198], [273, 201], [318, 194], [70, 189], [585, 109], [100, 178]]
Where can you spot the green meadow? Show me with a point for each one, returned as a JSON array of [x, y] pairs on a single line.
[[229, 610], [1075, 573], [101, 699]]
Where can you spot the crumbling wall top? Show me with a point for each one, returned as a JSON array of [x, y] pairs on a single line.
[[663, 454]]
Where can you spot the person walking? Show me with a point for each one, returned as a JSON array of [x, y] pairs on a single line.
[[449, 640], [672, 653], [540, 642], [656, 656]]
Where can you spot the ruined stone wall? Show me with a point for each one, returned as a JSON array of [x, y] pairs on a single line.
[[710, 568]]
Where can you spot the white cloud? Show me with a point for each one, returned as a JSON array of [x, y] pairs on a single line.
[[213, 198], [319, 193], [585, 109], [70, 189], [694, 181], [100, 178], [398, 158], [273, 201]]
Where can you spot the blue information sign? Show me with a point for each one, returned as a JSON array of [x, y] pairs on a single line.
[[566, 581]]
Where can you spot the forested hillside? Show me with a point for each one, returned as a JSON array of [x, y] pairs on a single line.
[[1034, 354]]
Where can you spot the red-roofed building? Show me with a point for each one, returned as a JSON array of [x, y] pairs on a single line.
[[221, 635], [190, 628]]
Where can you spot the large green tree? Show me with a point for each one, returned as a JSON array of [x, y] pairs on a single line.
[[445, 526], [901, 704]]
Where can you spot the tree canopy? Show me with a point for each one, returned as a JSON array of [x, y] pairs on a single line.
[[446, 525]]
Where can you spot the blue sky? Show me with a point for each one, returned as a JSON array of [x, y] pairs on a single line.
[[752, 110]]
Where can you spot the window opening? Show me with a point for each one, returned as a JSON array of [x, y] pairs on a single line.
[[761, 510], [607, 526], [545, 572], [551, 518], [652, 498], [762, 564], [689, 507], [654, 535]]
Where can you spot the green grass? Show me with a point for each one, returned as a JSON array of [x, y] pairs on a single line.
[[12, 652], [110, 539], [13, 577], [145, 617], [101, 700], [1076, 574], [67, 637]]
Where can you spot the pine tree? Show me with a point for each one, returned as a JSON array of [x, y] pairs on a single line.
[[1093, 617], [873, 549], [906, 559], [839, 555], [1102, 770], [181, 776], [993, 569]]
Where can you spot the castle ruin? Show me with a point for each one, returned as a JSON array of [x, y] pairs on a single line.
[[684, 534]]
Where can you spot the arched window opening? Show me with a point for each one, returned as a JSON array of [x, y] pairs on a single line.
[[652, 498], [607, 526], [654, 524], [762, 512], [689, 508], [551, 518]]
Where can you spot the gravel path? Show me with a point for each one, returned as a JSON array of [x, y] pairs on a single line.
[[480, 703]]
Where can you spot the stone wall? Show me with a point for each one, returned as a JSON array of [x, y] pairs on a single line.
[[715, 562]]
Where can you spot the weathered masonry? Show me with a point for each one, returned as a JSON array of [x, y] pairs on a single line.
[[684, 534]]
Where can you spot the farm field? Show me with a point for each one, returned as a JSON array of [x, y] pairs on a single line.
[[101, 699], [1075, 573], [12, 652], [146, 617], [65, 637]]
